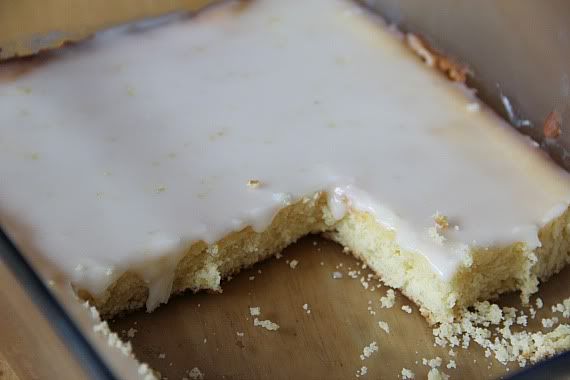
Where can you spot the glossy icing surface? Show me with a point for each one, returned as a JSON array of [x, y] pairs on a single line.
[[128, 148]]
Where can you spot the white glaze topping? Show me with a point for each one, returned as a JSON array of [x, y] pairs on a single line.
[[132, 146]]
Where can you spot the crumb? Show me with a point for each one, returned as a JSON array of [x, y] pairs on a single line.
[[254, 311], [522, 320], [532, 312], [384, 326], [389, 300], [251, 278], [306, 308], [336, 275], [253, 183], [549, 322], [551, 127], [266, 324], [195, 374], [434, 374], [362, 371], [451, 364], [205, 340], [162, 356], [407, 374], [489, 326], [131, 333], [407, 309], [539, 304], [239, 333], [450, 68], [367, 351], [432, 363], [322, 263], [563, 308], [441, 221], [418, 46], [293, 264]]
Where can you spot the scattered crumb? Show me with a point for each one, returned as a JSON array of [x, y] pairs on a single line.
[[432, 363], [205, 340], [489, 326], [336, 275], [441, 221], [362, 371], [367, 351], [549, 322], [239, 333], [450, 68], [293, 264], [551, 127], [434, 374], [253, 183], [407, 309], [389, 300], [418, 46], [306, 308], [131, 333], [563, 308], [195, 374], [451, 364], [162, 356], [522, 320], [266, 324], [539, 304], [407, 374], [254, 311], [384, 326], [251, 278]]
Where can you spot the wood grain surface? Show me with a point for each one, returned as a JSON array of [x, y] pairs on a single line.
[[204, 330]]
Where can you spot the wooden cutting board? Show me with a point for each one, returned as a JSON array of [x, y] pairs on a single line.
[[201, 330]]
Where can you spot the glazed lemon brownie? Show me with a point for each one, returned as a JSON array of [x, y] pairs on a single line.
[[145, 162]]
